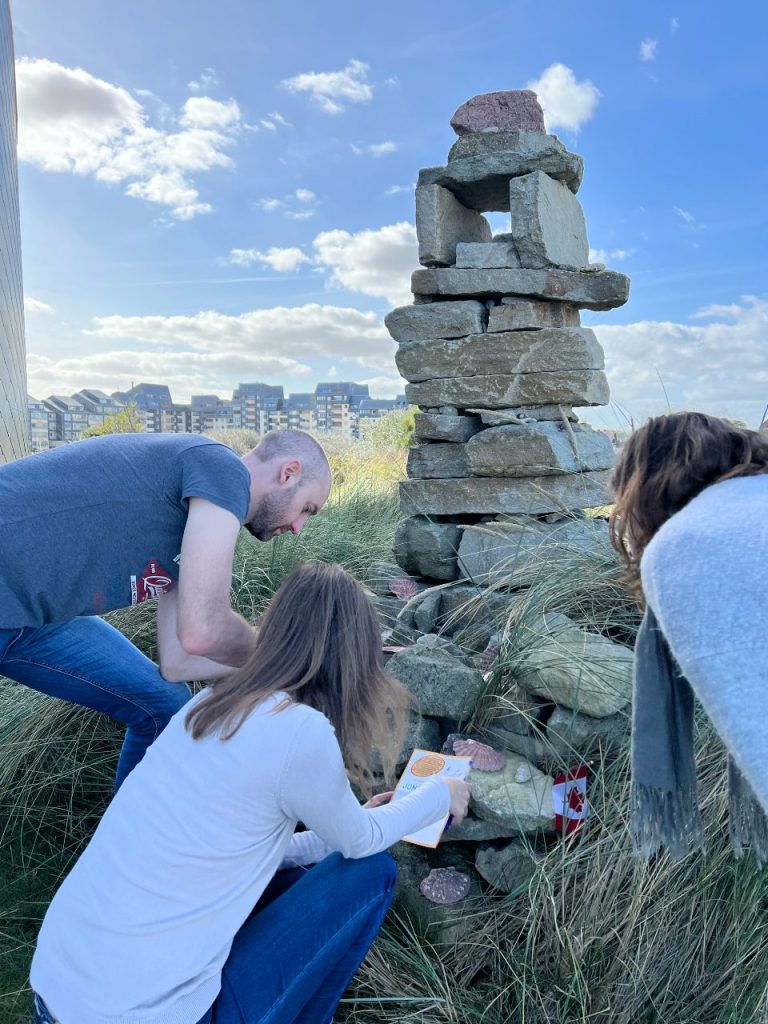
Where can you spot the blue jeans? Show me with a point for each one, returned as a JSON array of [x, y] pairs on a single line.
[[295, 955], [89, 662]]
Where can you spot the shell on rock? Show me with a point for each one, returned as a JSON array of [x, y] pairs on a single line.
[[523, 774], [403, 588], [445, 886], [484, 758]]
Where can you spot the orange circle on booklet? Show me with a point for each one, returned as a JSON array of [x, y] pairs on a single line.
[[429, 765]]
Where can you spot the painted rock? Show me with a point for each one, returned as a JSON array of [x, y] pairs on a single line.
[[445, 886], [515, 110], [484, 758]]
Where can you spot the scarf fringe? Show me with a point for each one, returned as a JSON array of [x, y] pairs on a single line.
[[747, 823], [660, 819], [665, 819]]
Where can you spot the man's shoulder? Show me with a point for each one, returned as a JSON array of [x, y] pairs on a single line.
[[173, 448]]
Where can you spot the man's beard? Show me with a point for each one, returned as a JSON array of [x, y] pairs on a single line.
[[270, 514]]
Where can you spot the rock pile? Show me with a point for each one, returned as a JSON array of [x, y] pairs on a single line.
[[494, 352], [501, 470]]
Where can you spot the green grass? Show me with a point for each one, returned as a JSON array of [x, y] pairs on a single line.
[[595, 938]]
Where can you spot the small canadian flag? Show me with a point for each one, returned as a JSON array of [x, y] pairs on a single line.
[[569, 795]]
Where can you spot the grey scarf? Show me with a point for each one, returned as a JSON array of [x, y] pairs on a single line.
[[663, 802]]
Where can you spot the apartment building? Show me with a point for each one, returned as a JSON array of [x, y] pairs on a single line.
[[337, 404], [341, 407], [98, 405], [257, 406], [301, 412], [39, 424], [67, 421], [375, 408], [210, 413]]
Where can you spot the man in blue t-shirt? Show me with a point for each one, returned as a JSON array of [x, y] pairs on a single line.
[[113, 521]]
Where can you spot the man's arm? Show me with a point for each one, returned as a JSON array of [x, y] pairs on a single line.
[[206, 625], [175, 664]]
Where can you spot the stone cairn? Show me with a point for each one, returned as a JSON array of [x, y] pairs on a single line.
[[499, 476]]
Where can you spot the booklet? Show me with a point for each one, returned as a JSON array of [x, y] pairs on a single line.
[[422, 766]]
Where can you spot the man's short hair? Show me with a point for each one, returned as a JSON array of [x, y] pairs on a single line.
[[290, 444]]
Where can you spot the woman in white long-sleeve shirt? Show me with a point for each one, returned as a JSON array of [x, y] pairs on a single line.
[[155, 924]]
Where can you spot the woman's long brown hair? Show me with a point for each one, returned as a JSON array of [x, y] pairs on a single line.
[[319, 641], [665, 464]]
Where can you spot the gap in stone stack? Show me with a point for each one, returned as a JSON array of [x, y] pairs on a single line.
[[500, 471]]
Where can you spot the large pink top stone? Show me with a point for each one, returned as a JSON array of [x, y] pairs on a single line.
[[515, 110]]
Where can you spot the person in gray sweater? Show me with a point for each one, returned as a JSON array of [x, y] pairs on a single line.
[[691, 522], [177, 912]]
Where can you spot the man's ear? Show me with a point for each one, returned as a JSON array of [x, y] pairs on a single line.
[[289, 471]]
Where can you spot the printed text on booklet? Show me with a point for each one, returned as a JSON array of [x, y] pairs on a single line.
[[422, 766]]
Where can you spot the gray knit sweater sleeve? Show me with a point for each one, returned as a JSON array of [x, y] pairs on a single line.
[[705, 576]]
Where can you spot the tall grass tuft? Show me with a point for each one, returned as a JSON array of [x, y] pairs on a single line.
[[596, 936]]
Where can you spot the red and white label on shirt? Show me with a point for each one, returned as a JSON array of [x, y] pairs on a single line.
[[569, 794], [153, 581]]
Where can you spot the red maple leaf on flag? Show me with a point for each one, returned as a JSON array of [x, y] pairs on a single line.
[[569, 796]]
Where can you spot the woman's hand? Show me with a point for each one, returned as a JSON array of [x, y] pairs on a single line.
[[378, 800], [460, 793]]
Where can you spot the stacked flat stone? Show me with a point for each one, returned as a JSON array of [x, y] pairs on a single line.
[[499, 474], [493, 350]]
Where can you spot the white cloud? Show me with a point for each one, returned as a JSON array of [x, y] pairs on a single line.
[[285, 334], [170, 189], [566, 103], [373, 262], [203, 112], [282, 260], [674, 24], [648, 49], [376, 150], [687, 217], [604, 255], [377, 263], [271, 123], [719, 367], [71, 121], [186, 372], [305, 198], [36, 305], [395, 190], [331, 89], [384, 386], [207, 79]]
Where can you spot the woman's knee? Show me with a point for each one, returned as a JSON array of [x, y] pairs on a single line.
[[378, 872], [385, 865]]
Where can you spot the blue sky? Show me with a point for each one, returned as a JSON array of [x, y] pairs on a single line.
[[217, 193]]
